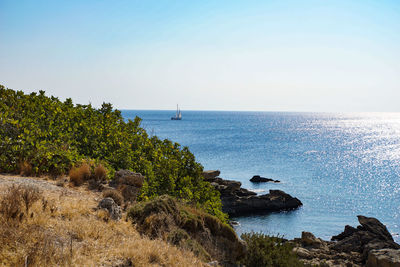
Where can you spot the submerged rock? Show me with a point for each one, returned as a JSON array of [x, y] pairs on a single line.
[[259, 179], [237, 201]]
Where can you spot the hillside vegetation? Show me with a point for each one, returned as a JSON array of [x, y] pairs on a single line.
[[62, 228], [43, 135]]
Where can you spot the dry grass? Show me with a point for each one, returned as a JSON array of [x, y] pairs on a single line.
[[69, 232], [79, 175], [115, 195], [100, 173]]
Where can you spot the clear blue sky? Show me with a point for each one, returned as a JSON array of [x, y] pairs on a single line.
[[206, 55]]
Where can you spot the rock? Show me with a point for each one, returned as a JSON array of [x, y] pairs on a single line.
[[213, 263], [128, 183], [375, 227], [276, 200], [302, 253], [237, 201], [370, 244], [259, 179], [370, 235], [384, 258], [126, 177], [210, 175], [113, 209], [348, 231], [308, 239]]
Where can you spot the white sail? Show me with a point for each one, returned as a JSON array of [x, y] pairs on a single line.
[[178, 115]]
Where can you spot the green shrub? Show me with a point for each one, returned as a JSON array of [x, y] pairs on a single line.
[[54, 136], [187, 227], [264, 250]]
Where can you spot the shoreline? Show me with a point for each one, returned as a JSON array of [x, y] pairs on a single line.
[[370, 244]]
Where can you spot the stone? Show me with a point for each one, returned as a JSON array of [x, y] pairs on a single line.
[[384, 258], [348, 231], [211, 174], [259, 179], [308, 239], [113, 209], [128, 183], [127, 177], [374, 226], [302, 253]]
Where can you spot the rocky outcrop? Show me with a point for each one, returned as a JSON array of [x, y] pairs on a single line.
[[384, 258], [316, 252], [237, 201], [259, 179], [369, 243], [113, 209], [371, 234]]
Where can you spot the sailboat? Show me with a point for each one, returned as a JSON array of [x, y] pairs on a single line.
[[178, 115]]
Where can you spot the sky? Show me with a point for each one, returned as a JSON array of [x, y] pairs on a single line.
[[340, 56]]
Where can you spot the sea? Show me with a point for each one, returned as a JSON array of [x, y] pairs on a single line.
[[339, 165]]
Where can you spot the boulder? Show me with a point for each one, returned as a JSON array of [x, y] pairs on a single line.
[[211, 174], [302, 253], [128, 183], [371, 234], [384, 258], [308, 239], [259, 179], [348, 231], [113, 209], [375, 227]]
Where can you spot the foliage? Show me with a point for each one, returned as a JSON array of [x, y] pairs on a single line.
[[264, 250], [53, 136], [187, 227]]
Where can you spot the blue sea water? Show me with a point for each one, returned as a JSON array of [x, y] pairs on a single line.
[[338, 165]]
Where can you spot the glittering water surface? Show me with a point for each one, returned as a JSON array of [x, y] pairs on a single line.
[[338, 165]]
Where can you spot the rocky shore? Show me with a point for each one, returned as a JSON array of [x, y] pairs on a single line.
[[370, 244], [237, 201]]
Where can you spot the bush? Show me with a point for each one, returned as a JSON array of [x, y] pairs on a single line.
[[115, 195], [264, 250], [79, 175], [53, 136], [10, 204], [17, 199], [187, 227], [100, 173], [29, 195]]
